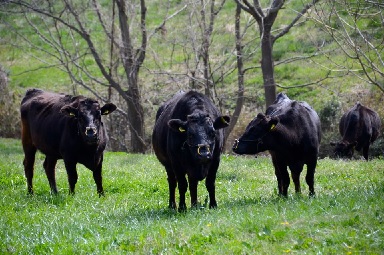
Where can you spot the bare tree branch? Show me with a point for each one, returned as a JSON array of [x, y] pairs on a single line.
[[354, 37], [295, 20]]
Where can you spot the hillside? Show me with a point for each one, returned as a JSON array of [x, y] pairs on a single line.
[[172, 56]]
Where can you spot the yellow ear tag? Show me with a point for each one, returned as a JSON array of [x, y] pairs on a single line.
[[106, 112], [181, 129], [273, 126], [223, 120], [71, 114]]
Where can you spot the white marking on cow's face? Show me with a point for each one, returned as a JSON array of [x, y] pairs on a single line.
[[201, 137], [89, 120]]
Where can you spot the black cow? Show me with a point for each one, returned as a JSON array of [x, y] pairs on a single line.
[[188, 139], [359, 128], [63, 127], [290, 130]]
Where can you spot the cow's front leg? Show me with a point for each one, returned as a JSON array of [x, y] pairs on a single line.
[[210, 184], [70, 166], [282, 177], [172, 184], [97, 176], [193, 190], [283, 181], [183, 186]]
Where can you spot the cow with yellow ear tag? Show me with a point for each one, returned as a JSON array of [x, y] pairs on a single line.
[[290, 131], [188, 139]]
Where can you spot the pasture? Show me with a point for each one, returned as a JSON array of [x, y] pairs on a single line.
[[345, 217]]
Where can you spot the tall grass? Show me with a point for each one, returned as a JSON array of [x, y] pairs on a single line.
[[346, 217]]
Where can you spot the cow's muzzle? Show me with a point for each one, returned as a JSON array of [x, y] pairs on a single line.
[[235, 145], [204, 150], [90, 131], [91, 134]]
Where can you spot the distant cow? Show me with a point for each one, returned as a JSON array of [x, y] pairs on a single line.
[[290, 130], [359, 127], [63, 127], [188, 139]]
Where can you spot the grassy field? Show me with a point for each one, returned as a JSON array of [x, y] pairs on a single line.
[[346, 217]]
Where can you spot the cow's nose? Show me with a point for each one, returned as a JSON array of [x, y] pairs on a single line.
[[235, 145], [204, 150], [90, 131]]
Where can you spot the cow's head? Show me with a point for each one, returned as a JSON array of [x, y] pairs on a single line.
[[88, 113], [251, 142], [343, 149], [200, 131]]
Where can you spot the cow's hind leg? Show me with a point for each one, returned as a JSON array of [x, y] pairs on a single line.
[[49, 166], [296, 171], [365, 151], [29, 161], [310, 177], [70, 166]]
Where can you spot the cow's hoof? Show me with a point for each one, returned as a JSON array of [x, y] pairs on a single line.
[[182, 208]]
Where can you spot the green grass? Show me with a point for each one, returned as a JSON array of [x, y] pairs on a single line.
[[346, 217]]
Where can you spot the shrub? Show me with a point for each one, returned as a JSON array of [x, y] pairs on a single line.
[[9, 110], [329, 115]]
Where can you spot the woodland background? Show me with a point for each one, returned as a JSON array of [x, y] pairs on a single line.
[[137, 54]]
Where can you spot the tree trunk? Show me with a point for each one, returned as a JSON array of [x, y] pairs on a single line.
[[267, 66], [135, 118], [240, 76], [132, 60]]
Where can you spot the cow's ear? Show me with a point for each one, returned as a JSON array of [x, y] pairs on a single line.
[[177, 125], [273, 122], [221, 122], [260, 116], [69, 111], [108, 108]]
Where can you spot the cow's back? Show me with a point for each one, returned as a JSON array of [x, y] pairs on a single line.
[[302, 129], [359, 124], [42, 121], [160, 131]]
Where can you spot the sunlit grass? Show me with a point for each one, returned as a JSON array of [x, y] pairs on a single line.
[[346, 217]]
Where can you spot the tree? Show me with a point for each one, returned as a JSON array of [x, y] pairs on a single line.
[[265, 18], [240, 74], [206, 64], [357, 28], [69, 33], [203, 71]]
